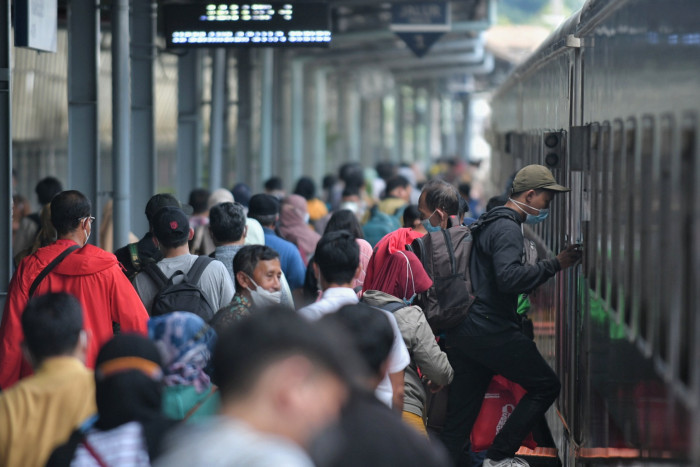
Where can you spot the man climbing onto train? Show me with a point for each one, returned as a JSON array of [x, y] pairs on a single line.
[[489, 341]]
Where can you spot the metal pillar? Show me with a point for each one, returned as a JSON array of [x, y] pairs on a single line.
[[189, 122], [245, 118], [354, 122], [465, 132], [216, 123], [83, 94], [281, 155], [367, 128], [6, 148], [320, 125], [121, 131], [268, 69], [143, 143], [398, 125], [297, 118]]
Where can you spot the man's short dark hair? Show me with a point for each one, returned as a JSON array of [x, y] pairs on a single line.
[[67, 208], [199, 197], [410, 214], [274, 334], [227, 222], [51, 324], [273, 183], [370, 331], [306, 188], [47, 188], [247, 259], [397, 181], [337, 255], [495, 201], [441, 195], [344, 219], [352, 174]]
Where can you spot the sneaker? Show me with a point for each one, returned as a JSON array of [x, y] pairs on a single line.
[[507, 462]]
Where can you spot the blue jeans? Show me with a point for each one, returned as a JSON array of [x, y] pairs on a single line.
[[475, 360]]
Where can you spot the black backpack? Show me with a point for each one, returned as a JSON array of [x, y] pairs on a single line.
[[446, 256], [183, 296]]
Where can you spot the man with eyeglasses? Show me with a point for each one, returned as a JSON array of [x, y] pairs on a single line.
[[70, 265]]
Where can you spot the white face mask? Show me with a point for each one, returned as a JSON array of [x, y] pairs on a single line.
[[262, 297]]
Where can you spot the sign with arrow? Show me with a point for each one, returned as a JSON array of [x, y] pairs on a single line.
[[420, 24]]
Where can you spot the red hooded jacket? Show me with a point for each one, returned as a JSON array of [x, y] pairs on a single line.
[[394, 241], [94, 277]]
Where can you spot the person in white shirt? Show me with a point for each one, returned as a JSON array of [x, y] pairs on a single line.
[[336, 264]]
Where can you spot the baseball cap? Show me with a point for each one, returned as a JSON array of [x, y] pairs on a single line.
[[162, 200], [263, 205], [171, 226], [533, 177]]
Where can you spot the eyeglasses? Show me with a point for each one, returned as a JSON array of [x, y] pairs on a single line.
[[92, 219]]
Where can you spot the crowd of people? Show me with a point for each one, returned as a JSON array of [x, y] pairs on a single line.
[[270, 328]]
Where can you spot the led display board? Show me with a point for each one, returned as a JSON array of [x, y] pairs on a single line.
[[247, 24]]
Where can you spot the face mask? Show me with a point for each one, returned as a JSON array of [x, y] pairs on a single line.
[[428, 226], [530, 219], [408, 301], [306, 218], [87, 236], [262, 297]]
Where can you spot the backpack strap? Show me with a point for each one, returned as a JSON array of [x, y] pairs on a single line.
[[201, 402], [50, 267], [134, 253], [391, 307], [450, 251], [198, 268], [156, 275]]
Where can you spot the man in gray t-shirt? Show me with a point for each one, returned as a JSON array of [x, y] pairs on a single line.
[[171, 230]]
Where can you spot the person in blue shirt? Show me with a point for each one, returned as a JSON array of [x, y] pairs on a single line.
[[265, 209]]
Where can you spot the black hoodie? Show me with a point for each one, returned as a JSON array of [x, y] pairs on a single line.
[[499, 274]]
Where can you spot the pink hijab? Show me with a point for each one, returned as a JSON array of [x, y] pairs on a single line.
[[365, 255], [293, 226]]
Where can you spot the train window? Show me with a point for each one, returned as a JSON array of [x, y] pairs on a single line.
[[594, 246], [648, 209], [604, 207], [617, 215], [690, 257], [665, 239], [632, 200]]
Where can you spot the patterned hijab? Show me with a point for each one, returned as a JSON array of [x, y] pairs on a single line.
[[185, 343]]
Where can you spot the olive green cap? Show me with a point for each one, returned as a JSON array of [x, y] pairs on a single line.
[[533, 177]]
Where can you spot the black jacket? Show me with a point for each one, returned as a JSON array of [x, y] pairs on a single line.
[[499, 274]]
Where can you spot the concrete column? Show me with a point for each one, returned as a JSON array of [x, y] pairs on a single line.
[[216, 122], [245, 117], [354, 122], [143, 142], [6, 148], [121, 121], [189, 122], [268, 69], [83, 94], [320, 125], [297, 118], [465, 142], [399, 146]]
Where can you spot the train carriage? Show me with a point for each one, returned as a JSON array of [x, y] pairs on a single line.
[[610, 103]]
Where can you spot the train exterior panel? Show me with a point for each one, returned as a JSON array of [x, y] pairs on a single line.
[[610, 102]]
